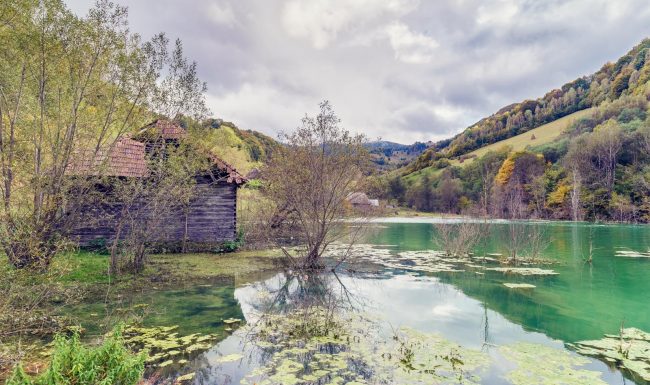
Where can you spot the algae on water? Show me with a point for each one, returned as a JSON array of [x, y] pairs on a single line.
[[543, 365], [350, 349], [629, 350]]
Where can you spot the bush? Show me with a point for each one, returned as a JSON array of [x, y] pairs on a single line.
[[72, 363]]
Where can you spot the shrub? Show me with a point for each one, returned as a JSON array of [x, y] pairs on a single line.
[[72, 363]]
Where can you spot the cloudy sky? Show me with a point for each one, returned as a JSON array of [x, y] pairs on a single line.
[[402, 70]]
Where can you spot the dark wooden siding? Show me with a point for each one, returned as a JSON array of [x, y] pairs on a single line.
[[209, 219]]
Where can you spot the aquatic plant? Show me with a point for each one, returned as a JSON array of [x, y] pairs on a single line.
[[543, 365], [110, 363], [628, 350], [163, 345], [523, 270], [349, 348]]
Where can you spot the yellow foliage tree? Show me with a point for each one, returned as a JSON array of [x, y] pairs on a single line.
[[505, 171], [558, 196]]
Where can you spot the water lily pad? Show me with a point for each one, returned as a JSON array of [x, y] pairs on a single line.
[[166, 363], [163, 344]]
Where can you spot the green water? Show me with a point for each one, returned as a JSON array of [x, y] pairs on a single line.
[[584, 301], [475, 311], [195, 309]]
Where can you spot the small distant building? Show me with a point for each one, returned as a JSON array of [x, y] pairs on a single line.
[[209, 219], [359, 200]]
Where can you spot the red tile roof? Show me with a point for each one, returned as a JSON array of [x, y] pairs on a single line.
[[233, 175], [165, 128], [125, 157]]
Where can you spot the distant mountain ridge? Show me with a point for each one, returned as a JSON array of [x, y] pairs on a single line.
[[629, 75], [390, 155]]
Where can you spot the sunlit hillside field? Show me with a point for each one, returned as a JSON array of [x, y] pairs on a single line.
[[543, 134]]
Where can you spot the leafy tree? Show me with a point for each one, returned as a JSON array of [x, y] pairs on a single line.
[[71, 85]]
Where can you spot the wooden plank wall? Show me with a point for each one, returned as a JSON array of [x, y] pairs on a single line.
[[211, 218]]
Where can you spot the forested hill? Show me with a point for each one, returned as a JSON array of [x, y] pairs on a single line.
[[580, 152], [390, 155], [629, 75], [244, 149]]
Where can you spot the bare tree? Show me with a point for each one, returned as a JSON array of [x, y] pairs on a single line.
[[309, 180], [576, 212], [607, 141], [537, 241], [457, 239]]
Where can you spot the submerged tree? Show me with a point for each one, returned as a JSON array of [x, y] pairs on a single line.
[[310, 179]]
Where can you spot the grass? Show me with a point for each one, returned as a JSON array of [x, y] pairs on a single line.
[[415, 176], [84, 268], [543, 134]]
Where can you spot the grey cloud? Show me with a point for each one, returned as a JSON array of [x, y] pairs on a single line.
[[405, 70]]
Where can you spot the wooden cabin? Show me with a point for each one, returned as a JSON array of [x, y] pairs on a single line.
[[209, 220]]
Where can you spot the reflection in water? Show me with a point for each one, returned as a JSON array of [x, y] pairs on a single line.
[[388, 323], [401, 329]]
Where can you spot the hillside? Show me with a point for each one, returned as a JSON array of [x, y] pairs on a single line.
[[244, 149], [629, 75], [390, 155], [541, 135], [583, 154]]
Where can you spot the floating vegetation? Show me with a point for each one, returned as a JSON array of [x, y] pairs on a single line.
[[431, 261], [165, 347], [629, 350], [430, 358], [315, 347], [428, 261], [519, 285], [523, 270], [543, 365], [632, 254], [230, 358], [351, 350], [185, 379]]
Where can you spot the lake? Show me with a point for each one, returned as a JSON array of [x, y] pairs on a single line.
[[447, 322]]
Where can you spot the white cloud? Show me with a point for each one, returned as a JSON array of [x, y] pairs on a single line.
[[321, 21], [497, 12], [222, 14], [445, 310], [409, 46]]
